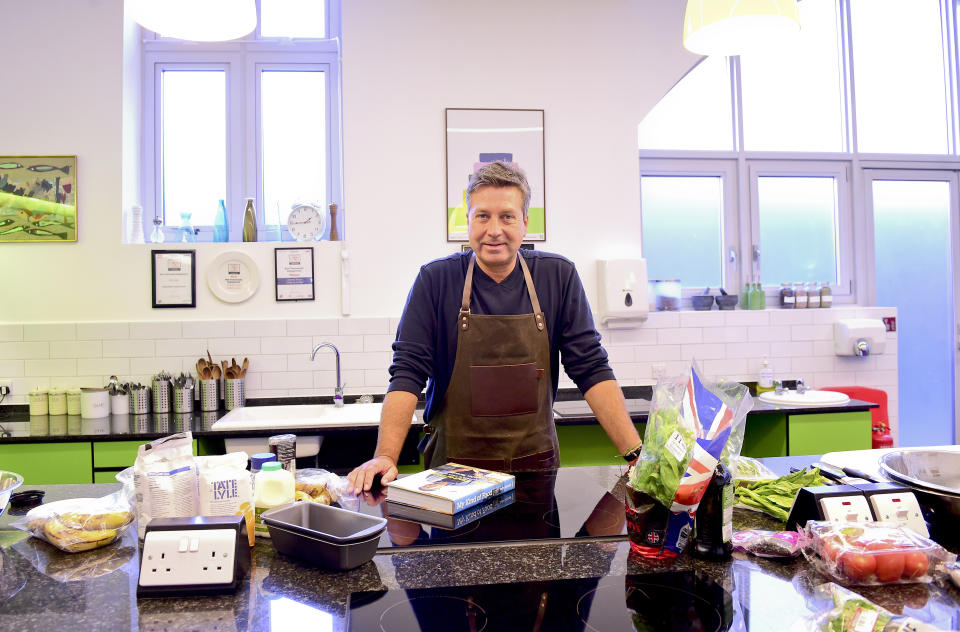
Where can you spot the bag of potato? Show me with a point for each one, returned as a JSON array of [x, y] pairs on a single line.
[[226, 488], [319, 486], [79, 524]]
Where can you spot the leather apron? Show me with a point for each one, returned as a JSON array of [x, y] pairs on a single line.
[[497, 412]]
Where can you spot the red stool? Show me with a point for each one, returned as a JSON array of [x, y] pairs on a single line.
[[878, 416]]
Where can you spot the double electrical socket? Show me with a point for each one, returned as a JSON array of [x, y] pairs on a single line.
[[188, 557], [5, 386]]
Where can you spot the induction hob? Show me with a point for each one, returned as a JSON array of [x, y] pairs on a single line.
[[672, 601], [559, 504]]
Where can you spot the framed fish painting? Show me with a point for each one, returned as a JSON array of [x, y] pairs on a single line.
[[38, 198]]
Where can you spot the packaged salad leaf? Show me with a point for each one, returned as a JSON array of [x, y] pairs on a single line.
[[851, 612], [693, 423]]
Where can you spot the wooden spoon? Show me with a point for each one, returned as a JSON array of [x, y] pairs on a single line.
[[243, 369], [205, 374], [216, 372]]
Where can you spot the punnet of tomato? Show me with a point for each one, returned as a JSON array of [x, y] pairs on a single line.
[[873, 553]]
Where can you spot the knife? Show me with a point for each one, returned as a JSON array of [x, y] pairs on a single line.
[[851, 471], [838, 475]]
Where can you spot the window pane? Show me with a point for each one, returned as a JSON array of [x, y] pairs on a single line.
[[294, 115], [798, 229], [193, 137], [681, 224], [791, 97], [898, 70], [293, 18], [695, 114]]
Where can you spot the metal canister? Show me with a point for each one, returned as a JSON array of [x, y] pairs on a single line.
[[284, 447]]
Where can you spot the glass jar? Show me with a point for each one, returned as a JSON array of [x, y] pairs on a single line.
[[813, 295], [787, 300], [668, 292], [826, 294], [800, 295]]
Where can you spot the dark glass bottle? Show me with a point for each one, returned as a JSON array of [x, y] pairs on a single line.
[[713, 525]]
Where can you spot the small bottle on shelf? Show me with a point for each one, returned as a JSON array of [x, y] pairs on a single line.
[[826, 294], [249, 222], [787, 300], [813, 295], [800, 295], [766, 378], [758, 300]]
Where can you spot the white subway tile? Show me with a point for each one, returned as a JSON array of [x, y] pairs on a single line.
[[103, 366], [791, 316], [272, 363], [208, 328], [637, 335], [353, 378], [361, 361], [748, 349], [702, 319], [378, 342], [811, 332], [854, 364], [76, 349], [725, 334], [355, 326], [724, 368], [703, 352], [374, 381], [41, 368], [262, 328], [679, 336], [305, 392], [791, 349], [775, 333], [189, 347], [277, 392], [152, 366], [129, 349], [619, 353], [657, 353], [631, 371], [24, 350], [886, 362], [286, 380], [11, 333], [286, 345], [11, 368], [49, 331], [823, 348], [251, 381], [876, 378], [342, 343], [154, 330], [747, 318], [660, 320], [394, 325], [313, 327], [302, 361], [836, 378], [327, 380], [813, 364], [103, 331], [233, 347], [23, 385], [827, 316]]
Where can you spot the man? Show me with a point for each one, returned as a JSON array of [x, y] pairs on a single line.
[[486, 328]]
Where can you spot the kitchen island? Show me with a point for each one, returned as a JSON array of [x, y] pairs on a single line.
[[284, 593]]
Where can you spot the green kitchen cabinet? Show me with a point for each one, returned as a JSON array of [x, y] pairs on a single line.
[[48, 463], [765, 435], [582, 445], [829, 432]]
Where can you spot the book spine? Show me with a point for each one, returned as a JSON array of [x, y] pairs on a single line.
[[479, 496]]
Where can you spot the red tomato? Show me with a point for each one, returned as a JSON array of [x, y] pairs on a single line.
[[856, 566], [830, 549], [915, 564], [890, 565]]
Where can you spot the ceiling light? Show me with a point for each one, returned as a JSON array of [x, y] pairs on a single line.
[[733, 27], [198, 20]]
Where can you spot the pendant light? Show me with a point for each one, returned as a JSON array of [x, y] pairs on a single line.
[[732, 27], [197, 20]]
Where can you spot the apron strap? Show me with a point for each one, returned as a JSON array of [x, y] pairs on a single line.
[[464, 316]]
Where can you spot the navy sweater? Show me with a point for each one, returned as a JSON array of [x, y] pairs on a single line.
[[426, 344]]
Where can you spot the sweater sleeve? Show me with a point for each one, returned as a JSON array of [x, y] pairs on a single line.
[[583, 357], [414, 348]]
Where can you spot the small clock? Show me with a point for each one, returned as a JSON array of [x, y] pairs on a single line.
[[306, 222]]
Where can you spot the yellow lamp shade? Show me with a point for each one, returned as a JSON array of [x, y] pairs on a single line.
[[197, 20], [733, 27]]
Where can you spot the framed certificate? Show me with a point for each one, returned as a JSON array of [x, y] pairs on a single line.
[[294, 273], [174, 275]]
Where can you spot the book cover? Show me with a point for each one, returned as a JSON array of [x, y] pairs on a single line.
[[449, 488], [450, 521]]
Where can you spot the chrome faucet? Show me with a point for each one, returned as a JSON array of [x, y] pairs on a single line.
[[338, 392], [801, 387]]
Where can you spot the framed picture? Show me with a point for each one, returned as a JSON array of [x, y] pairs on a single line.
[[174, 275], [38, 198], [294, 273], [476, 137]]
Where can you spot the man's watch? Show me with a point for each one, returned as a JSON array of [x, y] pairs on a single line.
[[631, 456]]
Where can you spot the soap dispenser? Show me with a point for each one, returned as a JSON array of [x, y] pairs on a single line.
[[766, 378]]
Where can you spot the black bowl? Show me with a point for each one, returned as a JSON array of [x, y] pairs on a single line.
[[727, 301]]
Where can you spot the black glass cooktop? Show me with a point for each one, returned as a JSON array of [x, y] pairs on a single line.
[[544, 506], [669, 601]]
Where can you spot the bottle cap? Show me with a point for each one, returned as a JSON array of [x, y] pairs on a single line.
[[270, 466], [257, 460]]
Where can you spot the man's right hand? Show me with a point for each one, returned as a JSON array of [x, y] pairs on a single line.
[[361, 478]]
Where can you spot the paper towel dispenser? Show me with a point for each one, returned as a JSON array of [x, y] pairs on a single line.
[[622, 285], [859, 336]]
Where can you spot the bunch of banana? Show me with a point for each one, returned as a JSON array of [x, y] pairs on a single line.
[[76, 531], [315, 492]]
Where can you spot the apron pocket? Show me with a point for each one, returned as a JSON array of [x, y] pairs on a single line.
[[509, 389]]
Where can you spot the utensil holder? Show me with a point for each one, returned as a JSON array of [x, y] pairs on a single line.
[[208, 395], [183, 399], [161, 396], [234, 394], [140, 401], [120, 403]]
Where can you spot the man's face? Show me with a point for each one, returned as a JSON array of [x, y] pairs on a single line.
[[496, 226]]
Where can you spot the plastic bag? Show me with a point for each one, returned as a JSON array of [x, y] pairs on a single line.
[[693, 423], [782, 544], [79, 524], [873, 553], [165, 480], [847, 611], [746, 469], [320, 486], [226, 488], [75, 567]]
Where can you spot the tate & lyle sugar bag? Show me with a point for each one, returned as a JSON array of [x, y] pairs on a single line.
[[165, 480], [226, 488]]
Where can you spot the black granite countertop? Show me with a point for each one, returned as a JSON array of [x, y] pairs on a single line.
[[43, 589]]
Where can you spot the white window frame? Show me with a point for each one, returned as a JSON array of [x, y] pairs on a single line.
[[242, 60]]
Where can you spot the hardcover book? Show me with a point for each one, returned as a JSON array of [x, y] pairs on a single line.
[[450, 521], [449, 488]]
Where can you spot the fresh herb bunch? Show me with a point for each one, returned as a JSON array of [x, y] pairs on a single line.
[[775, 497], [658, 471]]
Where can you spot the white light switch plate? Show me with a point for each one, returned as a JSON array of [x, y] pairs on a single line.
[[900, 508], [188, 557], [846, 509]]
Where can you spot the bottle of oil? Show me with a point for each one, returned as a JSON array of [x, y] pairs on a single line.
[[249, 222], [713, 524]]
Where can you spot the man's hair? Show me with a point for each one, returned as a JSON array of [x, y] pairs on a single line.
[[500, 174]]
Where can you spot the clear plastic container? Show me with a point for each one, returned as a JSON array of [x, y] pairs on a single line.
[[272, 486]]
